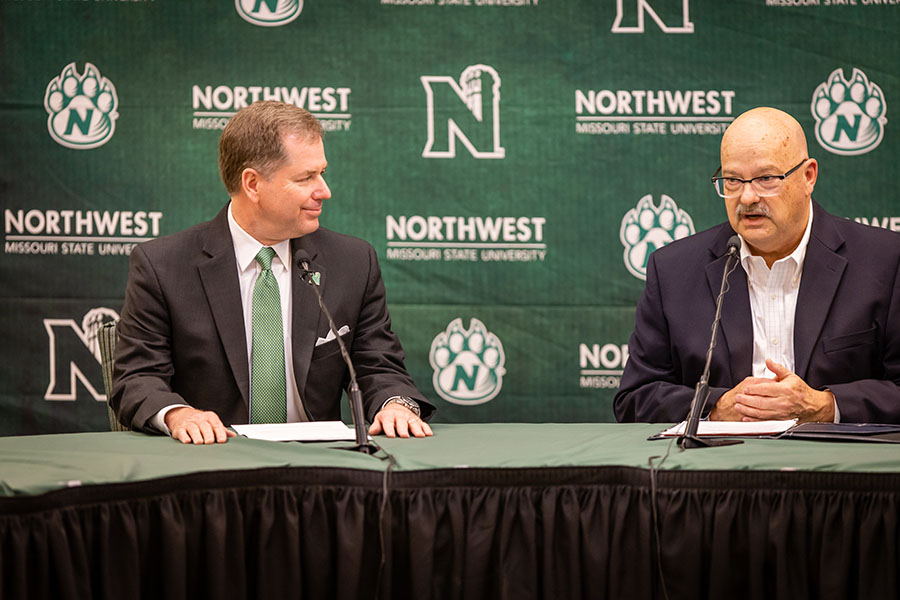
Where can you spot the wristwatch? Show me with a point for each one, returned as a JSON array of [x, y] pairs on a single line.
[[406, 403]]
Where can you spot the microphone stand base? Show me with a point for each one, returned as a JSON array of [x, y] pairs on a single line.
[[689, 442], [364, 448]]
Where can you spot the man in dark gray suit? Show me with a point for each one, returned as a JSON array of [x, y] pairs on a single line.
[[188, 359], [811, 323]]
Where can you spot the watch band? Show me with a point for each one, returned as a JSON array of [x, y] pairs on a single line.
[[406, 402]]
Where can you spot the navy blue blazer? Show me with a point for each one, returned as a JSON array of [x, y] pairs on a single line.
[[846, 330], [182, 337]]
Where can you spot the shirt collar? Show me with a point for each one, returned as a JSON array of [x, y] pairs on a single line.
[[797, 256], [246, 247]]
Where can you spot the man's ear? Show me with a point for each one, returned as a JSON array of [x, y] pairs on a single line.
[[250, 179], [811, 173]]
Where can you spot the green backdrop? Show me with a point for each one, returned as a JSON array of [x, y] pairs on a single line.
[[512, 161]]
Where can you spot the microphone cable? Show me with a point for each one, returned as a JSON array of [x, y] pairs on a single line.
[[656, 466], [362, 437], [382, 511], [654, 509]]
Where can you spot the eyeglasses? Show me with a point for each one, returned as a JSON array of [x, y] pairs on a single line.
[[764, 185]]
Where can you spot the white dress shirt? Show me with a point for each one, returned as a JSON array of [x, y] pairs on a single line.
[[773, 305], [773, 302]]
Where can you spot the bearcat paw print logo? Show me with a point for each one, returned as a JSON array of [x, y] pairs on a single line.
[[269, 13], [849, 114], [81, 108], [648, 227], [467, 363]]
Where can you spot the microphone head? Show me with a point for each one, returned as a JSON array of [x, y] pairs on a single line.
[[302, 257], [734, 245]]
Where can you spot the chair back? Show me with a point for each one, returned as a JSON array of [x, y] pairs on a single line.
[[106, 338]]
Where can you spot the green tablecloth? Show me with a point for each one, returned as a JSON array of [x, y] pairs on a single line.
[[37, 464], [505, 511]]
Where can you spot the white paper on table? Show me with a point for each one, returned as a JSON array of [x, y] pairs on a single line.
[[733, 428], [314, 431]]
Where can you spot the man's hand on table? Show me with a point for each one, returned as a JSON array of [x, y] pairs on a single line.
[[395, 420], [191, 426]]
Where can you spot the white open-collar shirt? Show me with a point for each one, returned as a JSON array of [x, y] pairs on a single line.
[[773, 305]]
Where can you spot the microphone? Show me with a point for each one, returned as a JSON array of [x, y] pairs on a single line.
[[690, 439], [356, 407]]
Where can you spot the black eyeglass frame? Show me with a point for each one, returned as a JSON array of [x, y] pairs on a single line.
[[744, 182]]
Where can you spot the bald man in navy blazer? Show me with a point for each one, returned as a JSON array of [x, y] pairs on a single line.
[[811, 320], [183, 359]]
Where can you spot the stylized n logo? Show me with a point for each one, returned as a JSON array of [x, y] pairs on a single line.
[[638, 8], [468, 111], [75, 120], [844, 126], [71, 360], [464, 378]]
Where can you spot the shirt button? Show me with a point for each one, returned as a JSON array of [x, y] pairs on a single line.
[[772, 297], [775, 341]]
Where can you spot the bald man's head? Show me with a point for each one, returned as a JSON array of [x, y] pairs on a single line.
[[765, 144], [765, 130]]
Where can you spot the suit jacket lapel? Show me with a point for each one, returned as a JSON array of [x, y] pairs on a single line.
[[737, 324], [223, 292], [305, 312], [822, 272]]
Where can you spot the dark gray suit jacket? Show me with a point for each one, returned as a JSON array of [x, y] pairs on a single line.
[[846, 329], [182, 340]]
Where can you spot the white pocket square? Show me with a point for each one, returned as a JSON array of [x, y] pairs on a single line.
[[341, 332]]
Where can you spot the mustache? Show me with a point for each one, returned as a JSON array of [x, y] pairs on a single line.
[[757, 208]]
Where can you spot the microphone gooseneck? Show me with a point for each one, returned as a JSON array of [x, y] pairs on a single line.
[[353, 395], [690, 439]]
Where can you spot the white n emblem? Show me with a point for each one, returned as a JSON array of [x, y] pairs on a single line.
[[642, 7], [471, 110], [75, 355]]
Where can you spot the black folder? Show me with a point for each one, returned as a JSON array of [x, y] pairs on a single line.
[[844, 432]]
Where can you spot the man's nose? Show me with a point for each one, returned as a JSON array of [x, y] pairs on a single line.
[[323, 192], [748, 194]]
